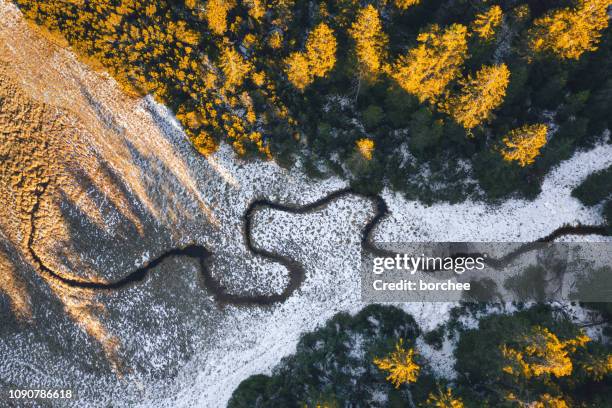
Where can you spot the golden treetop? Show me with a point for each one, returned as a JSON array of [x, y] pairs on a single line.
[[544, 401], [216, 15], [275, 41], [478, 96], [404, 4], [259, 78], [400, 365], [365, 147], [370, 39], [485, 23], [257, 8], [427, 69], [298, 70], [321, 50], [598, 368], [234, 66], [549, 401], [443, 399], [523, 144], [570, 32], [204, 143], [542, 353], [521, 12], [318, 59]]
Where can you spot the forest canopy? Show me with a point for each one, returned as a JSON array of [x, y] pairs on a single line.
[[399, 93], [536, 357]]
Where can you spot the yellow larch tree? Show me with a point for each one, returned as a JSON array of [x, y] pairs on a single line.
[[598, 368], [257, 8], [298, 70], [365, 147], [427, 69], [370, 40], [259, 78], [478, 96], [570, 32], [249, 41], [549, 401], [216, 15], [404, 4], [544, 401], [400, 365], [521, 12], [540, 352], [275, 40], [523, 145], [319, 58], [443, 399], [204, 143], [234, 66], [321, 50], [486, 23]]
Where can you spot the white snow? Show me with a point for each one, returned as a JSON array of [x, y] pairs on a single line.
[[327, 243], [441, 361]]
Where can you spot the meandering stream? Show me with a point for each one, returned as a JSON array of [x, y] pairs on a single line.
[[295, 269]]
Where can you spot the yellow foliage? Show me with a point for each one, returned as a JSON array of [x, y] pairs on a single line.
[[544, 401], [548, 401], [249, 40], [216, 15], [570, 32], [427, 69], [257, 8], [478, 96], [236, 24], [370, 40], [148, 47], [318, 59], [204, 143], [259, 78], [298, 70], [598, 368], [235, 68], [444, 400], [485, 23], [404, 4], [521, 12], [321, 50], [275, 41], [250, 116], [523, 144], [365, 147], [400, 365], [542, 353]]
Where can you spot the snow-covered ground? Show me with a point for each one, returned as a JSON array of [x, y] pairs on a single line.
[[513, 221], [327, 243]]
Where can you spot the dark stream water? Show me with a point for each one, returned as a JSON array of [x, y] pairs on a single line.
[[296, 270]]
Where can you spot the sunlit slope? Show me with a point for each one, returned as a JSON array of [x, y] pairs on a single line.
[[79, 159]]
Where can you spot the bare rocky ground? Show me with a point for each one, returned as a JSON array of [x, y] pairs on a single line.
[[96, 184]]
